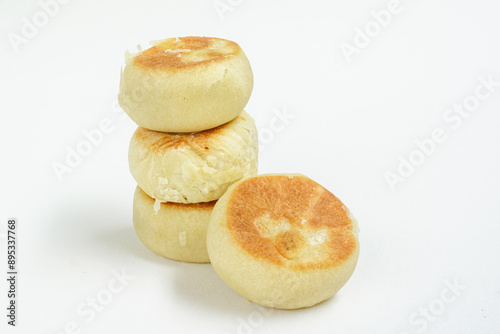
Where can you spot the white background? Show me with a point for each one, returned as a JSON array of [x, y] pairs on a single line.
[[353, 122]]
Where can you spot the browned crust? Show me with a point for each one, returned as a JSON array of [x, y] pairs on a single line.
[[293, 200], [180, 206], [163, 141], [170, 54]]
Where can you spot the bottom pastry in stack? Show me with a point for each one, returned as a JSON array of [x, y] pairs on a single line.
[[174, 230]]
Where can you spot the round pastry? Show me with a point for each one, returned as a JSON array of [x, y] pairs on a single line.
[[195, 167], [186, 84], [282, 241], [172, 230]]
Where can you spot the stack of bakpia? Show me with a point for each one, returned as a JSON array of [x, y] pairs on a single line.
[[193, 141], [280, 240]]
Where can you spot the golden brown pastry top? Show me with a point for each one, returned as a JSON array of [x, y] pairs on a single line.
[[291, 221], [199, 141], [176, 53]]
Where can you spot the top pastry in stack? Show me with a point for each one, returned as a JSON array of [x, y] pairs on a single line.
[[193, 141]]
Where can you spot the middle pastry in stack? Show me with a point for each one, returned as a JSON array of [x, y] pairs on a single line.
[[193, 167], [193, 141]]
